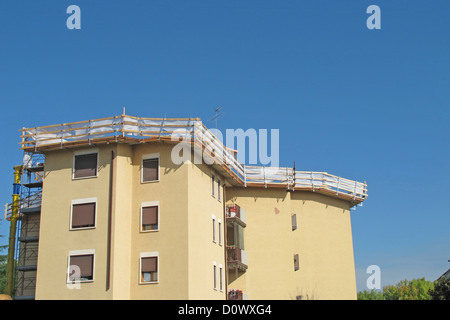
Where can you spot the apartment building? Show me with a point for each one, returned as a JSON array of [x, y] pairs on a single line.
[[115, 218]]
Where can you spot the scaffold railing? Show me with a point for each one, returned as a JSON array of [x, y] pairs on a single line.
[[32, 201], [126, 128]]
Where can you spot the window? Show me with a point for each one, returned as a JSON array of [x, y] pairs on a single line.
[[85, 165], [219, 222], [83, 214], [294, 221], [218, 190], [220, 278], [150, 168], [213, 178], [296, 262], [215, 275], [81, 266], [214, 228], [149, 268], [150, 216]]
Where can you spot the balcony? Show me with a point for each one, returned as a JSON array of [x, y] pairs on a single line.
[[237, 258], [235, 294], [236, 214]]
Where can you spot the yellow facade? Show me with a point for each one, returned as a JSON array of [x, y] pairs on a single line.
[[322, 241], [183, 242], [190, 243]]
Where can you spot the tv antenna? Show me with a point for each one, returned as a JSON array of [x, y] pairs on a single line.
[[217, 115]]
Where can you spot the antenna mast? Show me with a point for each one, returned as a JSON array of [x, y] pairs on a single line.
[[217, 115]]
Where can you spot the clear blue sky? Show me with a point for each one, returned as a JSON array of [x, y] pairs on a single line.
[[368, 105]]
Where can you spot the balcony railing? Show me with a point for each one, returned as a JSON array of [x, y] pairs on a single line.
[[235, 295], [236, 257], [236, 213]]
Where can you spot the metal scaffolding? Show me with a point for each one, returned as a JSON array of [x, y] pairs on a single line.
[[28, 223]]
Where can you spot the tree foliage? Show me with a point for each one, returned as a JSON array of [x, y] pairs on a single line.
[[3, 262], [441, 289], [416, 289], [371, 295]]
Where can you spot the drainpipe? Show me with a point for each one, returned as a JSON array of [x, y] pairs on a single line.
[[12, 231], [224, 241], [110, 205]]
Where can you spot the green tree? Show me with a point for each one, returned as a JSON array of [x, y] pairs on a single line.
[[3, 261], [371, 295], [416, 289], [441, 289]]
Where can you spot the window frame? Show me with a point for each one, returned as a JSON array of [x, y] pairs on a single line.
[[296, 262], [219, 227], [214, 234], [84, 153], [150, 204], [213, 185], [214, 275], [153, 254], [75, 253], [221, 286], [294, 219], [219, 184], [150, 156], [83, 201]]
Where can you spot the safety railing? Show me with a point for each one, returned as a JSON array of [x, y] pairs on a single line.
[[28, 202], [304, 180], [189, 130], [236, 213], [192, 131], [237, 255]]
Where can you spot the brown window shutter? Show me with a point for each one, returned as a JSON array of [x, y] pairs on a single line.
[[85, 263], [83, 215], [85, 165], [149, 264], [150, 169], [149, 215]]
